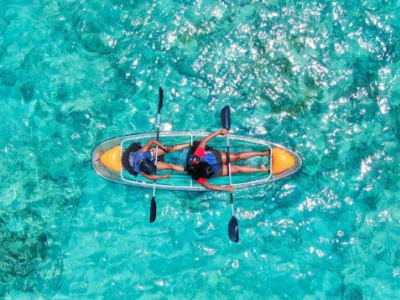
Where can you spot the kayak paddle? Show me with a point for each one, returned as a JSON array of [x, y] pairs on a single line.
[[153, 204], [233, 226]]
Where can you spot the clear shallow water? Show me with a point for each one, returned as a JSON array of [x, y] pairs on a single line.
[[319, 77]]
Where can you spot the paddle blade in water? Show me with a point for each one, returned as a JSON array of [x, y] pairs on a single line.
[[160, 98], [226, 117], [233, 230], [153, 210]]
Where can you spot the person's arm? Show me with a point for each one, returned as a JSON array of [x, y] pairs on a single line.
[[214, 187], [156, 177], [148, 145], [208, 138]]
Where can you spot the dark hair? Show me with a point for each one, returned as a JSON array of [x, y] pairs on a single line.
[[125, 157], [200, 170], [193, 171], [206, 170]]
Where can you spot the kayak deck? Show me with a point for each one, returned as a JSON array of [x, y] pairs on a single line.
[[180, 180]]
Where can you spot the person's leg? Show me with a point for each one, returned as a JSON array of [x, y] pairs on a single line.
[[174, 148], [235, 169], [178, 147], [243, 155], [160, 152], [167, 166]]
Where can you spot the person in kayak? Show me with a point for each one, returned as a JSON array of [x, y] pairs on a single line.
[[138, 159], [204, 162]]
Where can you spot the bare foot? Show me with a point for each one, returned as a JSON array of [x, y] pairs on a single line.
[[264, 168], [267, 152]]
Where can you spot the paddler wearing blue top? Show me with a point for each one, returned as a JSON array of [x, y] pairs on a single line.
[[204, 162], [138, 159]]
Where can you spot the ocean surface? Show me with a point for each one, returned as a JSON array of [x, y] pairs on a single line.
[[320, 77]]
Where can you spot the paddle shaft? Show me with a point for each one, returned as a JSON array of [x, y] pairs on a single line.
[[229, 168], [153, 204], [158, 127], [233, 226], [158, 137]]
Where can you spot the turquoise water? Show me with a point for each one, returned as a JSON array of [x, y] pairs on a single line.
[[320, 77]]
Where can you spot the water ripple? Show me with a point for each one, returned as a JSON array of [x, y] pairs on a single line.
[[320, 77]]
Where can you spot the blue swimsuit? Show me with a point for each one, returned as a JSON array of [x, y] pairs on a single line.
[[135, 158]]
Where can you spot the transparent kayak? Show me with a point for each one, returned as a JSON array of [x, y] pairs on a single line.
[[180, 181]]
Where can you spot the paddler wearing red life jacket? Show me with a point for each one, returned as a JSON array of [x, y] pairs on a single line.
[[204, 162]]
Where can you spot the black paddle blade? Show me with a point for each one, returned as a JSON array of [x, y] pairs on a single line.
[[153, 210], [233, 230], [226, 117], [160, 98]]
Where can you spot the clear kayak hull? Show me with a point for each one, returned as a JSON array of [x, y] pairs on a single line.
[[181, 181]]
